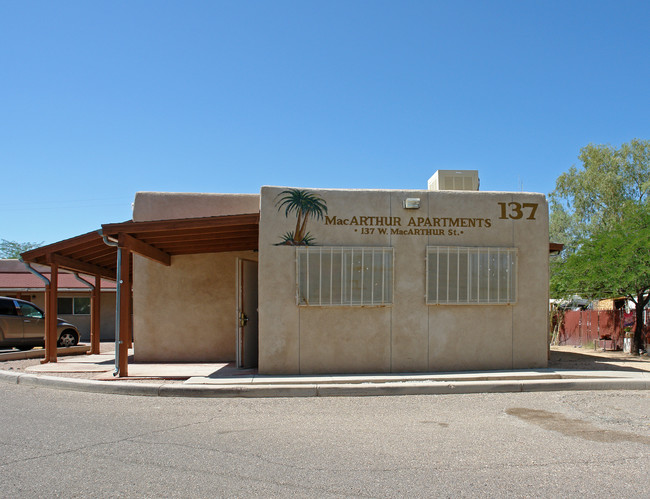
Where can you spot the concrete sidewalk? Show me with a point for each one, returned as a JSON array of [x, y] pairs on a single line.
[[93, 373]]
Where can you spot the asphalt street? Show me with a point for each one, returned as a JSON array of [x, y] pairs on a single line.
[[75, 444]]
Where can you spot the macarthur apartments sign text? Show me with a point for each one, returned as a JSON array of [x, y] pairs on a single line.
[[412, 226], [430, 226]]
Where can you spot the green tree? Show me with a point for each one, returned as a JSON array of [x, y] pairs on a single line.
[[13, 249], [593, 206], [305, 204], [612, 262], [592, 196]]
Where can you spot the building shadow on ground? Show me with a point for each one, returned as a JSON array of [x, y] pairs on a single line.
[[597, 360]]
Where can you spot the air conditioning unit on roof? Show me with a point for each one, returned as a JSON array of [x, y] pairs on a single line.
[[454, 180]]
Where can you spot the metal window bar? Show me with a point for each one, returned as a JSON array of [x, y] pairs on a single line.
[[351, 274], [470, 260], [331, 274], [307, 290], [372, 277], [507, 271], [438, 276], [478, 276], [488, 275], [509, 275], [457, 274], [383, 277], [469, 273], [448, 274], [342, 280], [320, 277], [499, 275], [362, 269], [298, 300]]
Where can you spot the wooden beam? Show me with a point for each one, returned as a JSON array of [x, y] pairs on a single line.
[[172, 246], [234, 231], [211, 247], [198, 251], [36, 255], [78, 265], [144, 249], [91, 253]]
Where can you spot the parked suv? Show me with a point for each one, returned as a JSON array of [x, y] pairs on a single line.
[[22, 325]]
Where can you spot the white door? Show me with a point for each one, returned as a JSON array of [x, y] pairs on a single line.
[[247, 344]]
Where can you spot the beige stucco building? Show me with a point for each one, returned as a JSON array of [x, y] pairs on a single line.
[[351, 281]]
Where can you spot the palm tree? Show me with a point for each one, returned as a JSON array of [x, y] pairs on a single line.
[[305, 204]]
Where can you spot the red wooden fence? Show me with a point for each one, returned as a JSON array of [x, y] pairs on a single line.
[[584, 326]]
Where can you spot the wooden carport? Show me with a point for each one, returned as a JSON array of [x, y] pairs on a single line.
[[108, 253], [87, 254]]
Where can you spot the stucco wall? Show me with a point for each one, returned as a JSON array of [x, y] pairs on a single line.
[[150, 206], [408, 335], [186, 312]]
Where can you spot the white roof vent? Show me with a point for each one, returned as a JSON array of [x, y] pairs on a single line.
[[454, 180]]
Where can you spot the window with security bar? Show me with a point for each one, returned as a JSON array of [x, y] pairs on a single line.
[[344, 276], [458, 275]]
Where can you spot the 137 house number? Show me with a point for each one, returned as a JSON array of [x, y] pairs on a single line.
[[516, 211]]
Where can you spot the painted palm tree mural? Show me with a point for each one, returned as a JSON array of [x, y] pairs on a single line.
[[305, 205]]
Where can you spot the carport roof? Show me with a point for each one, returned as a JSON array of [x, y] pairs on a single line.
[[157, 240]]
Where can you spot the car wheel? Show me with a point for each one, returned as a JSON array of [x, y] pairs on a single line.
[[67, 339]]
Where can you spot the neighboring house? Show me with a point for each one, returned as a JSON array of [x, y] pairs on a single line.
[[74, 297], [623, 305], [610, 304]]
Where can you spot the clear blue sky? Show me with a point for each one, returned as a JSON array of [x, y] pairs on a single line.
[[101, 99]]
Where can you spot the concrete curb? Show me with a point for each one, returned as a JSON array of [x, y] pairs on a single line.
[[324, 390], [35, 354]]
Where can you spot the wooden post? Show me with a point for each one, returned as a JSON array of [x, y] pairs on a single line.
[[51, 292], [125, 312], [95, 316], [48, 304]]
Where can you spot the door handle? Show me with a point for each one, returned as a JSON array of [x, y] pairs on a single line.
[[243, 319]]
